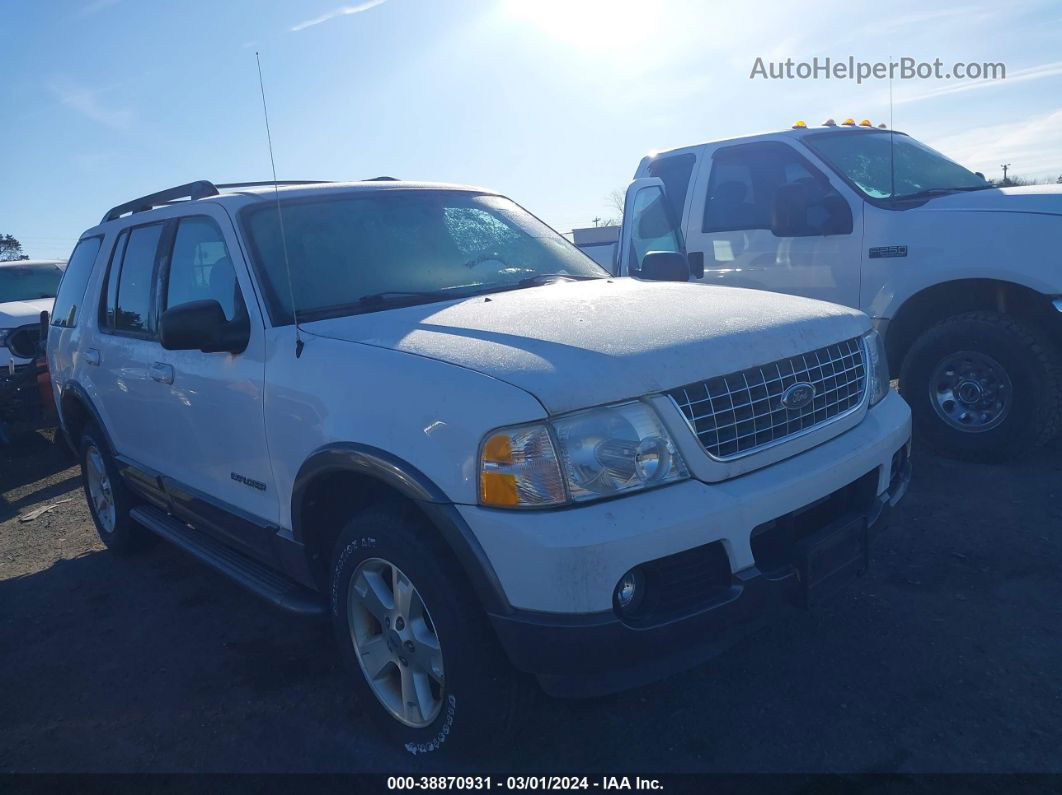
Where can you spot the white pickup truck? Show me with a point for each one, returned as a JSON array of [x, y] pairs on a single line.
[[962, 279]]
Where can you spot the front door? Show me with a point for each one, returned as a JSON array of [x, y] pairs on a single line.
[[735, 224], [212, 412], [649, 224]]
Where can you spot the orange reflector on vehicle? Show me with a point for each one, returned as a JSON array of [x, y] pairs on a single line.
[[848, 122], [498, 449], [498, 489], [799, 125], [865, 123]]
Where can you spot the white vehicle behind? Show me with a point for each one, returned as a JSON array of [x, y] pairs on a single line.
[[963, 280], [27, 288]]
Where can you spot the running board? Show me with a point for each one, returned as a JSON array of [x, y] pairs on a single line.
[[261, 580]]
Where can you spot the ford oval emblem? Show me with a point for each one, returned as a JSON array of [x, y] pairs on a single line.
[[798, 396]]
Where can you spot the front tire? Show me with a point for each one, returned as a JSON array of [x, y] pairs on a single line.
[[982, 386], [422, 658]]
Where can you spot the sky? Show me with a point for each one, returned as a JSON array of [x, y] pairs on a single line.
[[552, 102]]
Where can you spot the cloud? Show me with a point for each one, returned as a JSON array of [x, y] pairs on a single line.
[[86, 102], [339, 12], [1022, 75], [1034, 146]]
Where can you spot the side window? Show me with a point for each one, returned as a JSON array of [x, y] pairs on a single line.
[[200, 267], [745, 183], [675, 172], [130, 278], [75, 280]]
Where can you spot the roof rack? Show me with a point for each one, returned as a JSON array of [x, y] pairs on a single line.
[[200, 189]]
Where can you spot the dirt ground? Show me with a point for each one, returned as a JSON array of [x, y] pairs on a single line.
[[945, 657]]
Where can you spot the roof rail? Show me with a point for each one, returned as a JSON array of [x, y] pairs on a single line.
[[272, 182], [199, 189], [193, 190]]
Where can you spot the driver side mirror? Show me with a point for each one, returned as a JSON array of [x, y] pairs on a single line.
[[201, 325], [664, 266]]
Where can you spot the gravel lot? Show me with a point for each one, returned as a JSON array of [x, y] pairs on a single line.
[[945, 657]]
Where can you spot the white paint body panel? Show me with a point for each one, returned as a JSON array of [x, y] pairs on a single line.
[[571, 560], [426, 383], [1008, 234]]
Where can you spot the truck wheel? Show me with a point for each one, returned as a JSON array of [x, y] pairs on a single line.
[[108, 498], [423, 659], [982, 386]]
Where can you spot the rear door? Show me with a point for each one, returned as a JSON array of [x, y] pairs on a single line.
[[118, 361], [210, 405]]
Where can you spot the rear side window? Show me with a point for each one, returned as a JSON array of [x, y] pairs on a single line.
[[200, 267], [72, 289], [130, 280], [675, 173]]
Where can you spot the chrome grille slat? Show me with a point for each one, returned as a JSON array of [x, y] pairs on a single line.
[[740, 413]]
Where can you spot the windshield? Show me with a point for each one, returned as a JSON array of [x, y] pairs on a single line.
[[369, 251], [28, 282], [865, 157]]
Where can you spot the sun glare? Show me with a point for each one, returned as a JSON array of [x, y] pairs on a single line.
[[597, 25]]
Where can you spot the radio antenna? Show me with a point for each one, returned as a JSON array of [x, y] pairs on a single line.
[[280, 215], [892, 141]]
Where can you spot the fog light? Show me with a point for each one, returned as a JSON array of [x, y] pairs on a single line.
[[629, 590]]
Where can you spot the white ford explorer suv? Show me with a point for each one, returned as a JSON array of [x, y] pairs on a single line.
[[477, 451], [961, 279]]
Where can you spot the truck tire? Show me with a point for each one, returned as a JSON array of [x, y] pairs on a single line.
[[109, 500], [423, 659], [983, 386]]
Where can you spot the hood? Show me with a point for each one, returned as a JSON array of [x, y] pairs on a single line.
[[22, 313], [579, 344], [1028, 199]]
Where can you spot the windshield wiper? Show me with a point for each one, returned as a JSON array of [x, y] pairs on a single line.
[[387, 295], [545, 278], [938, 192]]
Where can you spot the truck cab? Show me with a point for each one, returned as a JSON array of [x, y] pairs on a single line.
[[960, 277]]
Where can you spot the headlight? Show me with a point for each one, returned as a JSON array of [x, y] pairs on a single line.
[[877, 367], [602, 452]]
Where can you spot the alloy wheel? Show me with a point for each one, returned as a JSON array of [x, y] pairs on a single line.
[[395, 642]]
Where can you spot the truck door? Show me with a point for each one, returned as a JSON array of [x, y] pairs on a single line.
[[767, 218], [649, 224]]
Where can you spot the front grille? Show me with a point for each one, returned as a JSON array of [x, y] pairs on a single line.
[[739, 413]]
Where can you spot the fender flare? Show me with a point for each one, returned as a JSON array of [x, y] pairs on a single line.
[[78, 393], [414, 485]]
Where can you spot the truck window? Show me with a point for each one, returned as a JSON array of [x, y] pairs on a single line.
[[200, 267], [75, 280], [675, 172], [130, 278], [745, 180]]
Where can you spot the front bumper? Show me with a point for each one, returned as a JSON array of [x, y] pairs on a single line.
[[559, 568]]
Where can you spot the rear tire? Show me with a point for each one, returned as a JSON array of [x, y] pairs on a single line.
[[983, 386], [108, 498], [439, 678]]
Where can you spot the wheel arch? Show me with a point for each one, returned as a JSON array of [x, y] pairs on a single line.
[[340, 478], [932, 304], [76, 410]]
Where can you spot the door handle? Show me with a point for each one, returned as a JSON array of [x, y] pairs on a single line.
[[92, 356], [162, 372]]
